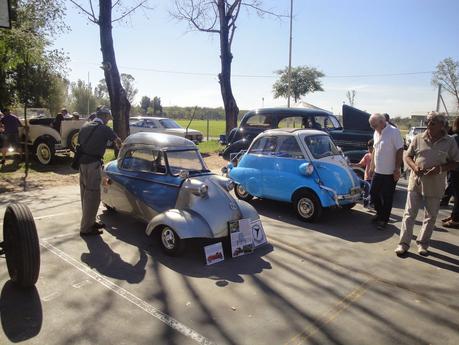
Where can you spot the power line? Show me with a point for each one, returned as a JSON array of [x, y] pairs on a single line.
[[265, 76]]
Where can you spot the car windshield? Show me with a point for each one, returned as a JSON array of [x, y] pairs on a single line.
[[321, 146], [418, 130], [168, 123], [189, 160]]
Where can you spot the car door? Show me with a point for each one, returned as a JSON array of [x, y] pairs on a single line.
[[145, 185], [282, 175]]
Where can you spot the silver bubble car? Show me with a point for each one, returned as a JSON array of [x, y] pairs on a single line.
[[162, 180]]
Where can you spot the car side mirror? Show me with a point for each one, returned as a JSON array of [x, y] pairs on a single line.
[[306, 169], [184, 174]]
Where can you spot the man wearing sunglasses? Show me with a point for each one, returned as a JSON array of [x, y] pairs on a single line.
[[430, 155]]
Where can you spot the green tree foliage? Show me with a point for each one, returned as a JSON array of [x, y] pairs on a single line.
[[82, 97], [447, 74], [29, 70], [157, 107], [128, 81], [304, 80], [145, 104]]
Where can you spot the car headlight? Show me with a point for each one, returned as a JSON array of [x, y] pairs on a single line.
[[229, 185], [203, 190]]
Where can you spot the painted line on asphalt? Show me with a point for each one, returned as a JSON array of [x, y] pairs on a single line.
[[168, 320], [333, 313]]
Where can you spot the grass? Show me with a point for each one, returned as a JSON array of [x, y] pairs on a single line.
[[216, 127]]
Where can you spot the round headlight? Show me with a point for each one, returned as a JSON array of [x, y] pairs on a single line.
[[229, 185], [203, 190]]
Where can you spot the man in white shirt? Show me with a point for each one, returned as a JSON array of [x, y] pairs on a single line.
[[386, 161]]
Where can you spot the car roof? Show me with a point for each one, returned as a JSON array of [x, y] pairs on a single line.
[[289, 111], [147, 118], [293, 131], [159, 141]]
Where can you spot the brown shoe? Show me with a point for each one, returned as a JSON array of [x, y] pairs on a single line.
[[447, 219], [451, 224]]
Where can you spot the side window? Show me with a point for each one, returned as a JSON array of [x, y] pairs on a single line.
[[288, 147], [265, 146], [259, 121], [150, 124], [144, 160], [291, 122]]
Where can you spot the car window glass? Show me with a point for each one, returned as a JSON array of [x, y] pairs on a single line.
[[291, 122], [259, 121], [265, 146], [288, 147], [321, 146], [144, 160], [168, 123], [185, 160], [137, 123], [150, 124]]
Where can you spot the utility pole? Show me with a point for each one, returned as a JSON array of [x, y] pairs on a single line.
[[438, 98], [89, 93], [290, 56]]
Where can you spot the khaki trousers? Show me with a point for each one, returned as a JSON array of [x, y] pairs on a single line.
[[90, 179], [414, 201]]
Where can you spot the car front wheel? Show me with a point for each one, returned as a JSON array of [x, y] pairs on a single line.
[[242, 194], [44, 151], [307, 207], [170, 242]]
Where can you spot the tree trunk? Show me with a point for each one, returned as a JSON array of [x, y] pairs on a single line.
[[120, 105], [231, 109]]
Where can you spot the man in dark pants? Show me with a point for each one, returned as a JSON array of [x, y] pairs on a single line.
[[385, 167], [92, 138]]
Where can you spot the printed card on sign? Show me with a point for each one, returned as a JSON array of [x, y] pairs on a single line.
[[214, 253], [258, 233], [241, 237]]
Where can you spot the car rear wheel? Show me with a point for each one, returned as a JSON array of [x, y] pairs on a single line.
[[170, 242], [72, 140], [22, 250], [241, 193], [307, 206], [44, 151]]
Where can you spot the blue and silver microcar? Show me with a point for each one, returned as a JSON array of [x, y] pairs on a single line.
[[162, 180], [301, 166]]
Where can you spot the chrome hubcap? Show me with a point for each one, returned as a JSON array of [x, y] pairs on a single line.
[[168, 238], [43, 153], [305, 207], [241, 191]]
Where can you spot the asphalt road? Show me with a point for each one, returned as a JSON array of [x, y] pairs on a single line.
[[333, 282]]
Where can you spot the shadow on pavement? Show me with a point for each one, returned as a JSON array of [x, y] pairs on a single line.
[[191, 262], [21, 312]]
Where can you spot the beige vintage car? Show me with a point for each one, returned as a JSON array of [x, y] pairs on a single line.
[[44, 141]]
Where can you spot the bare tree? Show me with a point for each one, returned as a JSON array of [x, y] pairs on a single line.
[[119, 102], [219, 17], [351, 97], [447, 75]]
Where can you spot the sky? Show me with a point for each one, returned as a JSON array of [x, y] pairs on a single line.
[[384, 50]]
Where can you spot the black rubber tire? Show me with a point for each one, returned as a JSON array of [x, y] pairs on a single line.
[[71, 141], [307, 206], [175, 245], [46, 146], [240, 195], [348, 206], [22, 249]]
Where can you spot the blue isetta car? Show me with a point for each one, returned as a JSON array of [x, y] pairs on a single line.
[[162, 180], [301, 166]]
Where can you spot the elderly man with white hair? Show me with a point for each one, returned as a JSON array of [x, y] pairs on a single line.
[[385, 166], [430, 155]]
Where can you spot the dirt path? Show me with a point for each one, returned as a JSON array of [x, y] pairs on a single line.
[[60, 173]]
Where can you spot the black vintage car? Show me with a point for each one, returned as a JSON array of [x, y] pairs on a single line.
[[352, 137]]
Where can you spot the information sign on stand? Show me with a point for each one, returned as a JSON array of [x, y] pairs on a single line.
[[258, 233], [214, 253], [241, 237]]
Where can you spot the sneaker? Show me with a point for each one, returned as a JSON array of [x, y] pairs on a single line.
[[422, 250], [400, 250]]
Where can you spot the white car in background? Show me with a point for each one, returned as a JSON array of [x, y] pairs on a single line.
[[163, 125], [412, 132]]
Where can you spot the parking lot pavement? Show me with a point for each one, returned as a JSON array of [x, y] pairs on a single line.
[[333, 282]]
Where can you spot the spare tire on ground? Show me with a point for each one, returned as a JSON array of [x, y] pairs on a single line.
[[22, 250]]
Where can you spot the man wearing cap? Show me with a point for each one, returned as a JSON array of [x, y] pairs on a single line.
[[11, 125], [93, 138], [430, 155]]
